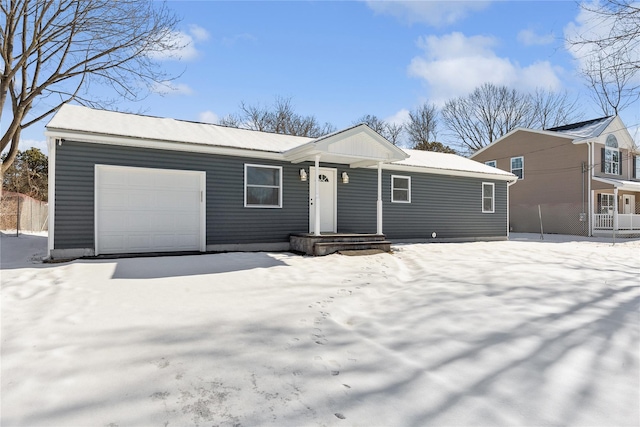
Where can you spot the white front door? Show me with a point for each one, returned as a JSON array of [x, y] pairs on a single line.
[[328, 203], [628, 204]]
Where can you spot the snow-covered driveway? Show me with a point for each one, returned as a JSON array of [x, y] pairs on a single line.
[[516, 333]]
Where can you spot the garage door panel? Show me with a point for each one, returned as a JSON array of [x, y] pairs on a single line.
[[148, 210]]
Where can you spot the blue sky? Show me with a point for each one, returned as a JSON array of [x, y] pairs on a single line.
[[340, 60]]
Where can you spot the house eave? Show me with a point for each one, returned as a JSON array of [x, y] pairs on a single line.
[[85, 137]]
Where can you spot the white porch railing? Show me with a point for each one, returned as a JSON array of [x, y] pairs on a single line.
[[626, 222]]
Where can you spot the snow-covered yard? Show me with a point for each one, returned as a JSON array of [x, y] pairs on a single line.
[[523, 333]]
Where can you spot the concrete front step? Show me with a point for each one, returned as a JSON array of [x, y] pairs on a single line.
[[326, 248], [330, 243]]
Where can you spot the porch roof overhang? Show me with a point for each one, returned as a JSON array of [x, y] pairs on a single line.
[[357, 146], [620, 184]]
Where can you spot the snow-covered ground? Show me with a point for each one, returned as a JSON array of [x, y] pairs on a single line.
[[523, 333]]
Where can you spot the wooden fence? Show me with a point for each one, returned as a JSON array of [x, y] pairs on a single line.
[[21, 212]]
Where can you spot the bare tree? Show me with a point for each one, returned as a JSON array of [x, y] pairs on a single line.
[[551, 109], [608, 48], [390, 131], [611, 82], [280, 118], [485, 115], [491, 112], [55, 51], [422, 130]]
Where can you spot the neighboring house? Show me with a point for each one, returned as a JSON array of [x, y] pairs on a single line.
[[125, 183], [582, 178]]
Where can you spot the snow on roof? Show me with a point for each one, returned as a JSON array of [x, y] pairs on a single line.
[[73, 118], [102, 122], [586, 129], [446, 161]]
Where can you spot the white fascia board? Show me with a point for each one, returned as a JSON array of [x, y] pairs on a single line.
[[450, 172], [161, 145], [620, 184], [51, 191]]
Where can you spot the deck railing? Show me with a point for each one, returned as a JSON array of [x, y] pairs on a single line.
[[626, 222]]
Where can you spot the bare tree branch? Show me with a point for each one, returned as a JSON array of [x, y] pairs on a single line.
[[54, 50], [608, 49]]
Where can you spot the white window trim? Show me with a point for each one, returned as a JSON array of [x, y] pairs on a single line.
[[279, 186], [493, 197], [612, 206], [492, 163], [614, 165], [408, 178], [511, 165]]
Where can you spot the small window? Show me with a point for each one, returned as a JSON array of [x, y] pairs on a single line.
[[491, 163], [636, 167], [611, 160], [400, 189], [262, 186], [488, 197], [517, 167], [606, 204]]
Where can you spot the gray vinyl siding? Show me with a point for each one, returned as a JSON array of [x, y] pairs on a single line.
[[228, 221], [449, 205]]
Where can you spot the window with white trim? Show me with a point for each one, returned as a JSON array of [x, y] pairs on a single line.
[[636, 167], [611, 159], [400, 189], [517, 167], [491, 163], [488, 197], [606, 203], [262, 186]]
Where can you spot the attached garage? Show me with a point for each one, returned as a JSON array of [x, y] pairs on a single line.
[[148, 210]]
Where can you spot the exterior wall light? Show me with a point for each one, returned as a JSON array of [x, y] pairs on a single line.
[[345, 178], [303, 175]]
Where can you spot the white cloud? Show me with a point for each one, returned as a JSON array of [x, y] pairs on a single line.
[[185, 44], [198, 33], [531, 38], [399, 118], [170, 88], [40, 144], [453, 65], [591, 26], [208, 117], [434, 13]]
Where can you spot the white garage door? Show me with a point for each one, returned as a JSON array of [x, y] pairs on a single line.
[[148, 210]]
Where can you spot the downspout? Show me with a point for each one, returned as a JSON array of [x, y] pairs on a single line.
[[51, 193], [584, 177], [316, 225], [509, 184], [379, 202]]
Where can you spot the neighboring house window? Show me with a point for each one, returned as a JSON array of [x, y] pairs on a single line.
[[517, 167], [488, 197], [400, 189], [636, 167], [262, 186], [605, 204], [491, 163], [611, 162]]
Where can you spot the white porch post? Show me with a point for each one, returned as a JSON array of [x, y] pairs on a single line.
[[615, 209], [316, 225], [379, 204]]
